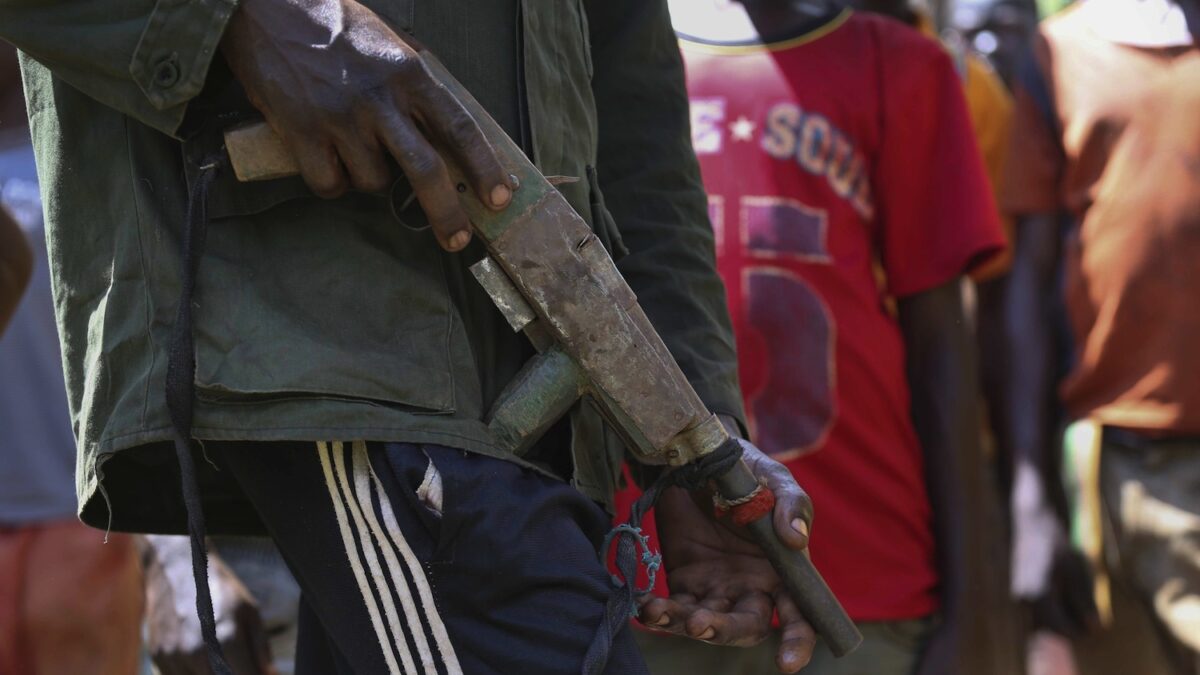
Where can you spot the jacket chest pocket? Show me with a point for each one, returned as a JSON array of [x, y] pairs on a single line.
[[303, 298], [324, 299]]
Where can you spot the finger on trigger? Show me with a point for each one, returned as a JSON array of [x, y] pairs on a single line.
[[431, 183], [320, 167], [364, 162], [460, 134]]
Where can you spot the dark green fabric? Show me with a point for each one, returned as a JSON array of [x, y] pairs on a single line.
[[320, 320]]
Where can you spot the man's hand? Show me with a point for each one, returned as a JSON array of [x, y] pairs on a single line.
[[341, 89], [173, 628], [723, 589]]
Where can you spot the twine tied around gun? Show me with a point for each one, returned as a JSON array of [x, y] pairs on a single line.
[[622, 602]]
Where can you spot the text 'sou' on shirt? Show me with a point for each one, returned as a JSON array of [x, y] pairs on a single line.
[[1108, 127], [824, 156]]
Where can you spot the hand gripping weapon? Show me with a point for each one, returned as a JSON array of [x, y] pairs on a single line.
[[550, 276]]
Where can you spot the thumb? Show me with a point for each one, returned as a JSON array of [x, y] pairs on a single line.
[[793, 512]]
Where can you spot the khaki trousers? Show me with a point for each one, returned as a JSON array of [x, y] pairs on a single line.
[[1151, 495]]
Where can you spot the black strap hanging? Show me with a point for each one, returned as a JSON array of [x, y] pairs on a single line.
[[181, 374]]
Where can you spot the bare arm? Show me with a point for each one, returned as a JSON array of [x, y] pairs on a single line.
[[943, 381], [16, 266], [1029, 400], [1029, 336]]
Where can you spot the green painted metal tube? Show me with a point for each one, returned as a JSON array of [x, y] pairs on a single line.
[[548, 385]]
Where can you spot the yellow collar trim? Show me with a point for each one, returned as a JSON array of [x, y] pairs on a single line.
[[729, 50]]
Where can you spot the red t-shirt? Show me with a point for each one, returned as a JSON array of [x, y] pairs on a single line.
[[842, 171]]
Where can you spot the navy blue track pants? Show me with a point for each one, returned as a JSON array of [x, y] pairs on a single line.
[[423, 559]]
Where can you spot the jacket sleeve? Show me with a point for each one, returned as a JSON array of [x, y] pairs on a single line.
[[146, 59], [651, 184]]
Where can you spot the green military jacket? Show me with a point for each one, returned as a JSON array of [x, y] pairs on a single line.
[[322, 320]]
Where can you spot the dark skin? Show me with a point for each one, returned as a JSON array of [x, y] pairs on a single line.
[[344, 92], [290, 57], [1065, 604], [16, 258], [943, 382], [722, 590], [1029, 337]]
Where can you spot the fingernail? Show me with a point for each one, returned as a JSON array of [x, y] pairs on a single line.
[[708, 634], [459, 240], [514, 182], [800, 526], [662, 620], [501, 194]]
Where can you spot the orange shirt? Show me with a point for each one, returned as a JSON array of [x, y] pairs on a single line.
[[1113, 136], [991, 109]]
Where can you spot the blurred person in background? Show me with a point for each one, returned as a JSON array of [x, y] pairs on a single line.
[[69, 602], [835, 145], [991, 109], [255, 600], [988, 102], [984, 37], [1108, 131], [997, 30]]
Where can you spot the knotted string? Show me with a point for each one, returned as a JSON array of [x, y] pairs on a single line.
[[622, 601]]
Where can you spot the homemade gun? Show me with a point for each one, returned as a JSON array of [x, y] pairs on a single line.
[[552, 278]]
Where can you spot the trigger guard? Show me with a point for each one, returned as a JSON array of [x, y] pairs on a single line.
[[402, 201]]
